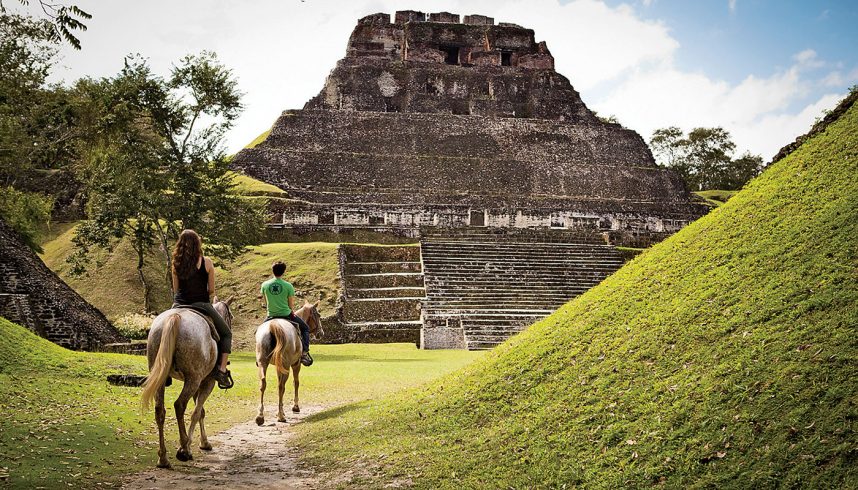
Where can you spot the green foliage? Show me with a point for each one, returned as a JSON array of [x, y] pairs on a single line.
[[62, 19], [151, 166], [704, 158], [26, 213], [134, 326], [722, 357], [64, 426], [26, 56]]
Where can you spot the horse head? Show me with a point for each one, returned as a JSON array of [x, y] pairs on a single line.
[[314, 320], [222, 307]]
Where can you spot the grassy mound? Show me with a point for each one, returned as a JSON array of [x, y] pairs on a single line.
[[249, 186], [114, 287], [724, 356], [63, 426], [715, 198]]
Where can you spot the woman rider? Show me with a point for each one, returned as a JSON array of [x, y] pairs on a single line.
[[194, 285]]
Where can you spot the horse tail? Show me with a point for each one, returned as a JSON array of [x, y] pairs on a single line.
[[280, 341], [163, 360]]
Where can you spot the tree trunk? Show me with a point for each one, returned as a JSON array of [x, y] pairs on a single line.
[[147, 306]]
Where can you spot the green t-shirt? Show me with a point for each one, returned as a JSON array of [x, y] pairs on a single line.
[[277, 293]]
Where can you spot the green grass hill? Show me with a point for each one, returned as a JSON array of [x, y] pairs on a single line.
[[724, 356]]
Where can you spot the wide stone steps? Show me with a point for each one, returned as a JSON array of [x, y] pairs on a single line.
[[393, 292], [516, 285], [511, 235], [495, 284], [500, 266]]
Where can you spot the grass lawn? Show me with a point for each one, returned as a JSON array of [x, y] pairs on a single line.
[[64, 426]]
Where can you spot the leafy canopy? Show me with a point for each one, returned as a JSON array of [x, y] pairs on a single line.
[[154, 162], [704, 157]]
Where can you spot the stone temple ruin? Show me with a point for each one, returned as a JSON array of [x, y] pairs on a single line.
[[34, 297], [462, 135]]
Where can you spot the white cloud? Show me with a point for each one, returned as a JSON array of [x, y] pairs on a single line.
[[731, 4], [755, 111], [834, 79], [282, 52]]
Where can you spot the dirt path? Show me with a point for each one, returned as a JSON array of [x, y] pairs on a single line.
[[244, 456]]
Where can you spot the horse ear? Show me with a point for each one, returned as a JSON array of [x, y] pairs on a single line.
[[316, 304], [229, 300]]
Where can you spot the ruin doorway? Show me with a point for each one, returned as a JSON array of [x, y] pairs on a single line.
[[452, 54], [477, 218], [506, 58]]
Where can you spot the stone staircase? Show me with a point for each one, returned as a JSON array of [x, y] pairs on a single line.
[[483, 285], [382, 289]]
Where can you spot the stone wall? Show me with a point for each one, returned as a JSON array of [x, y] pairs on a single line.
[[33, 296]]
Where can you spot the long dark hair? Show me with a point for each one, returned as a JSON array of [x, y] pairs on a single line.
[[189, 249]]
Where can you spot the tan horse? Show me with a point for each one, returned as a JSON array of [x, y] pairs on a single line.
[[286, 352], [180, 345]]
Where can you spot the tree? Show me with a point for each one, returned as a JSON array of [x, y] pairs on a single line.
[[26, 213], [63, 19], [704, 158], [36, 132], [154, 162]]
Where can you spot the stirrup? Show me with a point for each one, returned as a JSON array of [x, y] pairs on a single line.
[[306, 359], [224, 379]]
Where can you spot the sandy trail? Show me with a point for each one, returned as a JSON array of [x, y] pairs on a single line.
[[245, 456]]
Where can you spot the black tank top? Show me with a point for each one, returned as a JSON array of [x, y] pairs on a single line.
[[194, 289]]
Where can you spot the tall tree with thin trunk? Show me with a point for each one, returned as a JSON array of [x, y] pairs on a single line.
[[155, 163]]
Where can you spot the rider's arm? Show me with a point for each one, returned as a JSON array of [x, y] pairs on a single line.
[[175, 280], [292, 303], [211, 271]]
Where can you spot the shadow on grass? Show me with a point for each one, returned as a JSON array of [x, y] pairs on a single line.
[[333, 412]]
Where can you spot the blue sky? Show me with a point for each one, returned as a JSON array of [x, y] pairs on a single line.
[[764, 70], [756, 35], [731, 40]]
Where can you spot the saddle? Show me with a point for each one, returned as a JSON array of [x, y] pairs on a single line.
[[203, 313]]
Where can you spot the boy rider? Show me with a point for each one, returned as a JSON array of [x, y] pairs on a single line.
[[279, 297]]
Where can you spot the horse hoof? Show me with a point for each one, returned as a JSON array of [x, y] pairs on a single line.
[[296, 409], [282, 419], [206, 447], [260, 420], [183, 455], [165, 465]]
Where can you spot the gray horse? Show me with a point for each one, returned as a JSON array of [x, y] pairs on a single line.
[[181, 346]]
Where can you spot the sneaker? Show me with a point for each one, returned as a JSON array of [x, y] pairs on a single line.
[[306, 359], [223, 378]]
